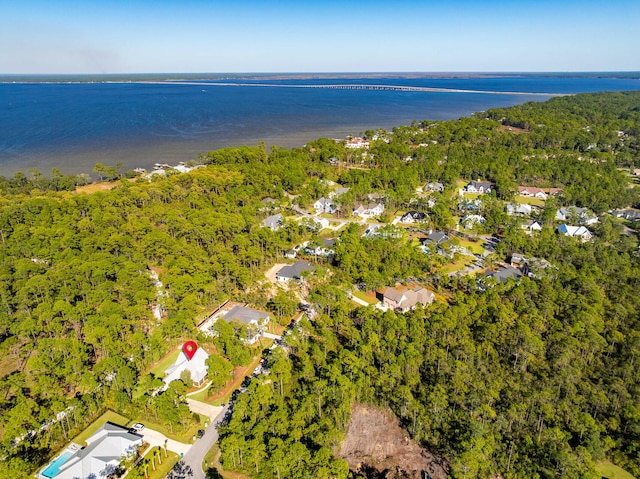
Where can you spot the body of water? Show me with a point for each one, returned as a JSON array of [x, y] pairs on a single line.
[[73, 123]]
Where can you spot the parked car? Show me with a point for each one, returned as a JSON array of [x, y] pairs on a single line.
[[137, 427], [200, 433]]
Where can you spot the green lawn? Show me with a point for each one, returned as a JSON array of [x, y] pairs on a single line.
[[474, 246], [174, 432], [457, 266], [159, 369], [529, 201], [611, 471], [108, 416], [364, 297]]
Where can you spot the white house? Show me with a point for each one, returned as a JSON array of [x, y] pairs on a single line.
[[434, 187], [356, 142], [324, 205], [369, 210], [532, 225], [581, 215], [412, 217], [471, 220], [197, 366], [576, 231], [532, 192], [519, 209], [483, 187], [100, 458]]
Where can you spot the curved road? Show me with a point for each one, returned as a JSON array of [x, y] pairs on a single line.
[[195, 455]]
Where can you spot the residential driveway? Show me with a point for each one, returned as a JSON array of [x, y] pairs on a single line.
[[196, 454], [155, 438], [211, 412]]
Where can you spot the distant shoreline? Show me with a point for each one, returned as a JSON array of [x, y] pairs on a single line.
[[266, 76]]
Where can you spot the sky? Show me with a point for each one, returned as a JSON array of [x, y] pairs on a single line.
[[250, 36]]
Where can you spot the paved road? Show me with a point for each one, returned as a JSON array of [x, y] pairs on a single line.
[[195, 455]]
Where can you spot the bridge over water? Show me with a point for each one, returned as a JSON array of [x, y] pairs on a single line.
[[353, 86]]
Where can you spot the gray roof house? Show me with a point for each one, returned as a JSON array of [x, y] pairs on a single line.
[[101, 457], [479, 187], [434, 186], [293, 272], [504, 274], [413, 216], [437, 238], [403, 301], [582, 216], [256, 320], [273, 222]]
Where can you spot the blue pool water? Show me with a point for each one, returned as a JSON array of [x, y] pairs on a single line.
[[54, 468]]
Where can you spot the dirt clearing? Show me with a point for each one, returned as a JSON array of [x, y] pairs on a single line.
[[376, 447]]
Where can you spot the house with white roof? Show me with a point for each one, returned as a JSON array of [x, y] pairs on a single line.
[[100, 458], [368, 210], [197, 366], [576, 231]]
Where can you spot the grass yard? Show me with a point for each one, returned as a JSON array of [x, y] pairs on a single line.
[[474, 246], [185, 436], [108, 416], [456, 266], [365, 297], [611, 471], [529, 201], [159, 369]]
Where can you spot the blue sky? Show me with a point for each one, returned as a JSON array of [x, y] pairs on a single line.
[[159, 36]]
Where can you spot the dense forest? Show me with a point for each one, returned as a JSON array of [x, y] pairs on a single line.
[[530, 379]]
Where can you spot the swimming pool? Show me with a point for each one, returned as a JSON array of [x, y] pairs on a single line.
[[54, 468]]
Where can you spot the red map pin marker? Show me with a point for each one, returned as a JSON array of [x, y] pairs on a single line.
[[189, 349]]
